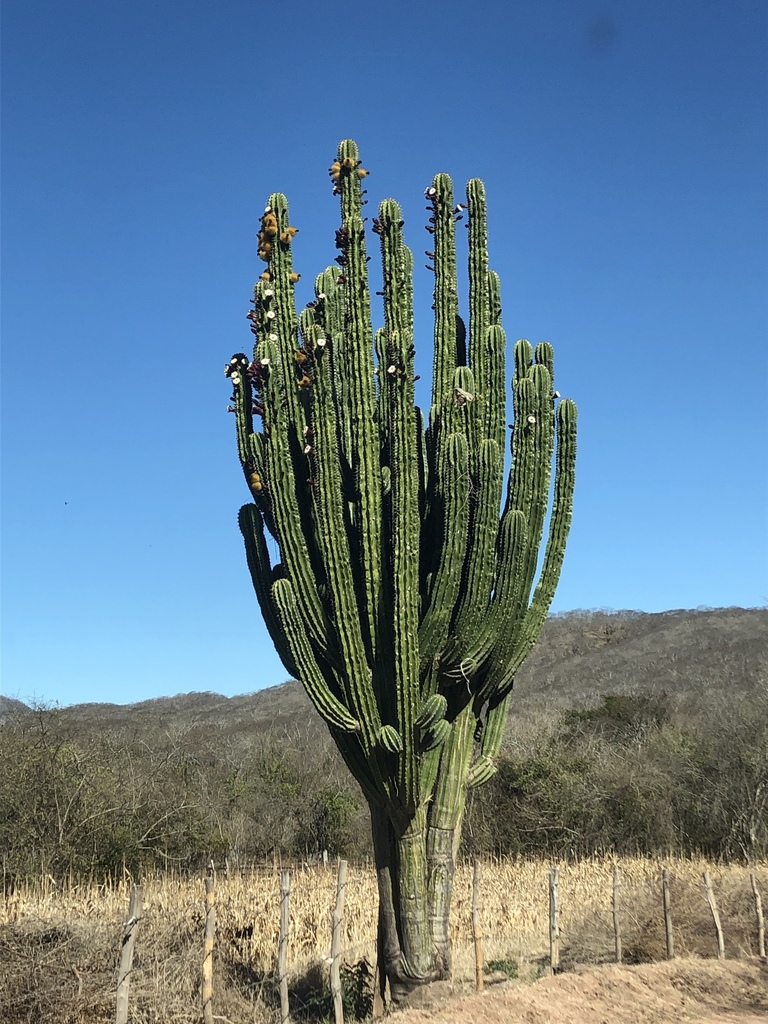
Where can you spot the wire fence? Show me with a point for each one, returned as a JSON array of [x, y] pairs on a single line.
[[525, 917]]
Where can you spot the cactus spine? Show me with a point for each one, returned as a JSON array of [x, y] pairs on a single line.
[[405, 596]]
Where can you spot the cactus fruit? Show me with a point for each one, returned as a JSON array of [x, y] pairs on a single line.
[[406, 594]]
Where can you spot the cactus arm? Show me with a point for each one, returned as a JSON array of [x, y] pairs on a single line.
[[480, 563], [485, 427], [499, 618], [333, 547], [282, 470], [404, 451], [283, 388], [327, 311], [276, 490], [520, 481], [454, 523], [481, 771], [275, 303], [358, 372], [537, 442], [250, 446], [443, 231], [531, 445], [514, 645], [454, 761], [421, 444], [544, 355], [494, 299], [447, 422], [487, 342], [544, 443], [500, 623], [495, 721], [256, 477], [238, 371], [432, 711], [479, 319], [242, 395], [559, 528], [252, 528], [329, 706], [491, 739]]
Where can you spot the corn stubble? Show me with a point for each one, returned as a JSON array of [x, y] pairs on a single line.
[[59, 945]]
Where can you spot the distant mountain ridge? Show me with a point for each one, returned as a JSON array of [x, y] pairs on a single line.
[[582, 656], [10, 706], [579, 657]]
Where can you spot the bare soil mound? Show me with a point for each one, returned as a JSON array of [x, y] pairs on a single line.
[[690, 991]]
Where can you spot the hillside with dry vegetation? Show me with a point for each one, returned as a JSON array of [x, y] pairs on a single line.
[[630, 733]]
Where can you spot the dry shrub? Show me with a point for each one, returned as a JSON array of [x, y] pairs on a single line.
[[54, 972]]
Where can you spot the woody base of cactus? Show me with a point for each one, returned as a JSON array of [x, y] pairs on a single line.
[[414, 885]]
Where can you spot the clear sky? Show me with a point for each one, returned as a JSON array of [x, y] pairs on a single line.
[[624, 147]]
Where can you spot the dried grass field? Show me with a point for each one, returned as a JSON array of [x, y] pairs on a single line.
[[59, 946]]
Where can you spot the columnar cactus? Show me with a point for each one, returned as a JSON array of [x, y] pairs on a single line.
[[405, 597]]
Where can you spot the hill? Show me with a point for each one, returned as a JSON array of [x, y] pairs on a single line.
[[694, 656], [11, 708], [629, 732], [582, 656]]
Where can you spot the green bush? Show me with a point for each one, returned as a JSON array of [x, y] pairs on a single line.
[[508, 967]]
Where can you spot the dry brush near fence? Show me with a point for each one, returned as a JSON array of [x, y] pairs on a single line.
[[60, 946]]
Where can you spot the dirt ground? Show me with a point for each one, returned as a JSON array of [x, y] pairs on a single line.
[[689, 991]]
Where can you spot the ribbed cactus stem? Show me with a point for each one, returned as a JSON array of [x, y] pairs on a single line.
[[449, 350], [402, 594]]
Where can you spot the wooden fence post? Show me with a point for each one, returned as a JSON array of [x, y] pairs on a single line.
[[715, 916], [338, 914], [554, 920], [616, 917], [667, 914], [282, 950], [126, 955], [759, 915], [477, 931], [210, 932]]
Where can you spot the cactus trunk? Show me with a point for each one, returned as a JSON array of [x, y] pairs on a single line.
[[407, 589], [415, 867], [412, 926]]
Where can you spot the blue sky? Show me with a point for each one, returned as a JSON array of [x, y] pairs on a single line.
[[625, 155]]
